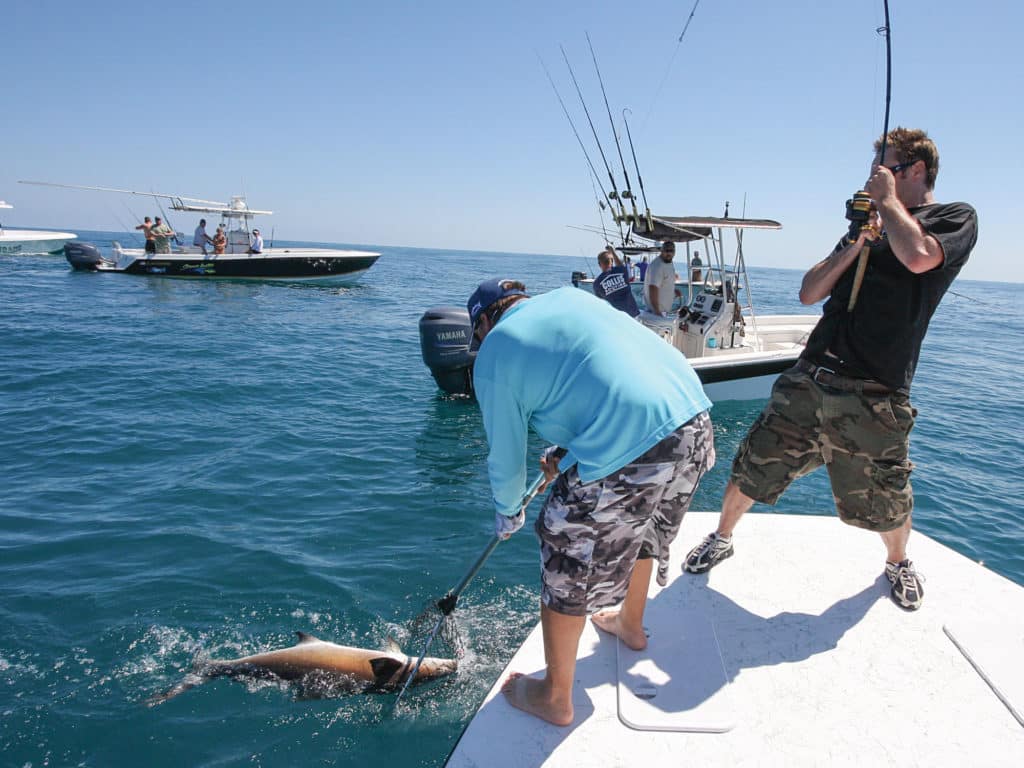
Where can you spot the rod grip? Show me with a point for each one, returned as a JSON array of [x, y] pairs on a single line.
[[858, 277]]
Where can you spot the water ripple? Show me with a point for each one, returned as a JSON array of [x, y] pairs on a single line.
[[200, 468]]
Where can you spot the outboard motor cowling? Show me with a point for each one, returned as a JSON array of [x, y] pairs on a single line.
[[449, 348], [84, 256]]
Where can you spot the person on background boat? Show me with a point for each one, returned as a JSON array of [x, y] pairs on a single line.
[[257, 242], [696, 273], [660, 282], [633, 418], [147, 230], [612, 284], [220, 240], [200, 238], [642, 268], [162, 235], [846, 403]]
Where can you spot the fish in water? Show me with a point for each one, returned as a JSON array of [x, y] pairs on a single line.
[[320, 668]]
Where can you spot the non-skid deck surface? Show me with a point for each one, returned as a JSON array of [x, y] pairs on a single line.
[[995, 648], [677, 683], [823, 668]]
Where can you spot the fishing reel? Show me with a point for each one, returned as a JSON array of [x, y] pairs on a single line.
[[858, 211]]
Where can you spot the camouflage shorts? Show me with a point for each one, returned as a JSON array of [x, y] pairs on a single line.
[[591, 534], [862, 439]]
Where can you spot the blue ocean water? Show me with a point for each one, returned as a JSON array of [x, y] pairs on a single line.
[[193, 467]]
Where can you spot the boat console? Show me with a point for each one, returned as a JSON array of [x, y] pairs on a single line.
[[711, 321]]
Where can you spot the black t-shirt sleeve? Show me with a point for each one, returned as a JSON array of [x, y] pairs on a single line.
[[955, 227]]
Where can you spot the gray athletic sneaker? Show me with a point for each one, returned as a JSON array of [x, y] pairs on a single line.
[[709, 553], [907, 584]]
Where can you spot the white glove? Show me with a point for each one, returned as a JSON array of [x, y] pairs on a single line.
[[506, 525], [550, 451]]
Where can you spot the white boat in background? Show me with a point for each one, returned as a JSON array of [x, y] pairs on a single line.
[[19, 242], [322, 265], [736, 353]]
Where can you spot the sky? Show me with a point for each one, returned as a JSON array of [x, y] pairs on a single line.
[[434, 125]]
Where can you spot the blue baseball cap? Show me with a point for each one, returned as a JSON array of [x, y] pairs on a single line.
[[488, 292]]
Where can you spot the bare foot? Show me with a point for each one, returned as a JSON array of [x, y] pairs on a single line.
[[608, 621], [533, 696]]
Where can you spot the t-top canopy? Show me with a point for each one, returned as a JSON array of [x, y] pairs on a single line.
[[682, 229], [233, 211], [236, 208]]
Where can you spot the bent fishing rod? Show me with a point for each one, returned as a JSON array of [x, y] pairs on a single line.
[[860, 207], [668, 69]]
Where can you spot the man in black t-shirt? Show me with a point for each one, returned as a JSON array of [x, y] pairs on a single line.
[[612, 284], [846, 403]]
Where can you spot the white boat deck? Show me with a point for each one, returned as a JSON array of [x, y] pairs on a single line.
[[823, 668]]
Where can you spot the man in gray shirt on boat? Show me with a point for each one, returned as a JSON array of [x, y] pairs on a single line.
[[660, 281], [162, 234], [846, 403], [200, 238]]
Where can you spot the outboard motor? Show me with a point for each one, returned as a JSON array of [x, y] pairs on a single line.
[[84, 256], [449, 348]]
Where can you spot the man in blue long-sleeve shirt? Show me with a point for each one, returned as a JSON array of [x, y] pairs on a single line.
[[632, 415], [612, 284]]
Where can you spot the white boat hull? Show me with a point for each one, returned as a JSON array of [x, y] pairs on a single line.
[[747, 369], [750, 388], [23, 242]]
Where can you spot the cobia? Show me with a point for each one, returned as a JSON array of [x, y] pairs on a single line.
[[320, 668]]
